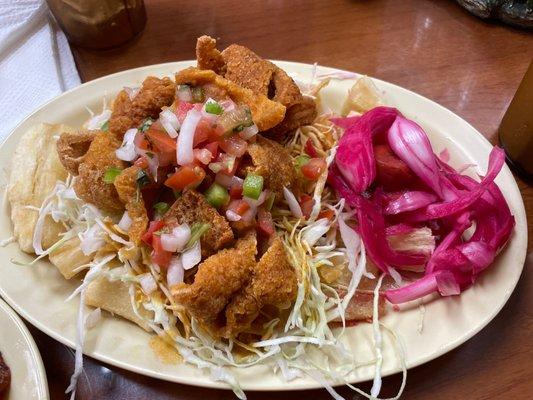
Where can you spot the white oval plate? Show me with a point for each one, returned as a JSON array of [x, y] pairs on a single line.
[[28, 378], [38, 293]]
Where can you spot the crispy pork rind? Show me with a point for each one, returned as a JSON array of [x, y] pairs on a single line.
[[207, 55], [362, 96], [114, 297], [129, 113], [128, 192], [248, 70], [192, 207], [273, 283], [299, 114], [89, 184], [218, 279], [245, 68], [68, 257], [274, 163], [265, 113], [35, 169], [72, 147]]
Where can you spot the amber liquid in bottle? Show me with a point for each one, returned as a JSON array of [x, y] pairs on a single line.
[[516, 129], [99, 24]]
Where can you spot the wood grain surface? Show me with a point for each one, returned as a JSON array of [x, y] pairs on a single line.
[[434, 48]]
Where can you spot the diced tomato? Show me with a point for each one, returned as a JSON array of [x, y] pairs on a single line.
[[206, 131], [306, 203], [186, 177], [152, 227], [235, 191], [314, 168], [164, 145], [160, 139], [234, 145], [391, 172], [239, 206], [309, 148], [166, 158], [203, 132], [328, 214], [144, 144], [213, 148], [265, 224], [182, 108], [141, 162], [160, 256]]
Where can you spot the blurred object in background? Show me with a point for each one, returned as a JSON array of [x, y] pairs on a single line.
[[513, 12], [36, 63], [516, 129], [99, 24]]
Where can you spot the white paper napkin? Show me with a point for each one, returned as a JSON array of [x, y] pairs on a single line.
[[36, 63]]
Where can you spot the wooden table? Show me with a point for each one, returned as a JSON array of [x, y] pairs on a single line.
[[432, 47]]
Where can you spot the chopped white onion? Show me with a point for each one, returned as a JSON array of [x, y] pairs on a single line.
[[125, 222], [170, 122], [294, 206], [169, 242], [249, 132], [183, 233], [132, 91], [203, 155], [127, 150], [260, 200], [227, 105], [192, 256], [175, 272], [148, 283], [97, 121], [315, 231], [232, 216], [226, 180], [177, 239], [184, 151]]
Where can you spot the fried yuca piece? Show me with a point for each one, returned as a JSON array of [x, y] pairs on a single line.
[[128, 192], [362, 96], [265, 113], [113, 297], [35, 169], [68, 257]]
